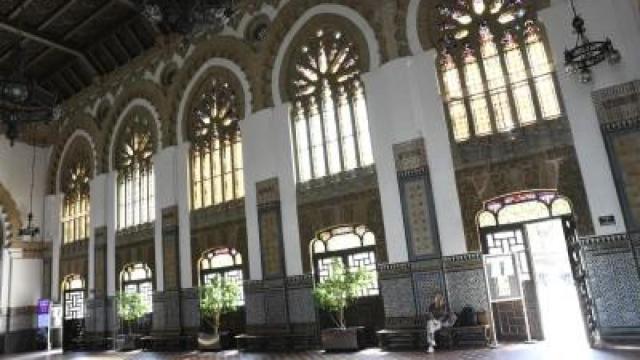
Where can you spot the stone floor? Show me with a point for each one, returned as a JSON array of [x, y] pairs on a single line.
[[504, 352]]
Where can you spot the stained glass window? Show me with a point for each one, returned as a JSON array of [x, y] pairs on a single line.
[[216, 154], [495, 71], [135, 192], [224, 264], [75, 208], [73, 289], [330, 121], [354, 246], [137, 279]]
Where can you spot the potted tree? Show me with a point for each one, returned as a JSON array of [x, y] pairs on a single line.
[[334, 295], [131, 309], [217, 298]]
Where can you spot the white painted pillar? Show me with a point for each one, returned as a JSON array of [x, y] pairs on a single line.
[[164, 167], [111, 222], [53, 233], [387, 127], [282, 145], [430, 118], [97, 218], [256, 141], [183, 190], [616, 19]]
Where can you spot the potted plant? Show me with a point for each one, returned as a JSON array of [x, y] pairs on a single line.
[[217, 298], [131, 309], [334, 295]]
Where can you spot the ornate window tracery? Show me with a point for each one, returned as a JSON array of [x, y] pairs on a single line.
[[136, 193], [73, 289], [216, 155], [330, 121], [137, 279], [224, 264], [75, 208], [495, 70], [354, 246]]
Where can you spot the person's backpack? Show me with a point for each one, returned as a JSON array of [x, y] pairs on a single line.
[[467, 317]]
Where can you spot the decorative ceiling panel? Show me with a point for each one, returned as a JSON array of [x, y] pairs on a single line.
[[7, 6], [75, 15], [38, 12]]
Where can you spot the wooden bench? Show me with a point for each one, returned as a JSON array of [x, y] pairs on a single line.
[[274, 342], [447, 338], [167, 342]]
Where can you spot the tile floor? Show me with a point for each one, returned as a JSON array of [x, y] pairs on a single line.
[[504, 352]]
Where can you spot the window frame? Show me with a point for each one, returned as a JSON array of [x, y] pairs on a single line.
[[128, 269], [224, 270]]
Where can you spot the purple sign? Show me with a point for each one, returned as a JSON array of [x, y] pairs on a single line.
[[43, 306]]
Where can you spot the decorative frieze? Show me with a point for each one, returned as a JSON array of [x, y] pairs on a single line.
[[217, 215], [416, 197], [100, 263], [270, 227], [170, 248]]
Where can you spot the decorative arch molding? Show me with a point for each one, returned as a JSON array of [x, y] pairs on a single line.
[[10, 220], [141, 105], [151, 98], [293, 18], [207, 69], [78, 144], [421, 24], [81, 126]]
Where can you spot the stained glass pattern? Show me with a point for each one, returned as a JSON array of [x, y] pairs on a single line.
[[136, 193], [354, 246], [224, 264], [137, 279], [330, 121], [216, 155], [496, 73], [75, 209]]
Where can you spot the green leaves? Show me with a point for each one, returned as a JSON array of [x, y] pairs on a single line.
[[219, 297], [130, 306], [340, 289]]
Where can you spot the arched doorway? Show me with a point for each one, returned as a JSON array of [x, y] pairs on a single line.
[[73, 297], [532, 270], [355, 247], [137, 278], [224, 264]]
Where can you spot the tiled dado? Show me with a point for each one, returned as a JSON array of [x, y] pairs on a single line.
[[284, 304], [613, 272], [408, 288]]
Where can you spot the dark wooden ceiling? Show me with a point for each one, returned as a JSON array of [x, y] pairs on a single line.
[[69, 42]]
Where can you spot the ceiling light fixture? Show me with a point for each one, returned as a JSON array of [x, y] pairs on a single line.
[[587, 54], [22, 100], [188, 17]]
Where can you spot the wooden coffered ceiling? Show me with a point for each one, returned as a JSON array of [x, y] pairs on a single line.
[[69, 42]]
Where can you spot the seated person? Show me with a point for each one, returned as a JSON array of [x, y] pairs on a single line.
[[438, 317]]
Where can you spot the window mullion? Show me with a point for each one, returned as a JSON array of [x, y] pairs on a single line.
[[307, 119], [466, 96], [487, 91], [515, 119], [349, 98], [232, 157], [522, 47], [336, 120], [325, 148]]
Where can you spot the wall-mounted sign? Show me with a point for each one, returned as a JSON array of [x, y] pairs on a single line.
[[43, 306], [607, 220]]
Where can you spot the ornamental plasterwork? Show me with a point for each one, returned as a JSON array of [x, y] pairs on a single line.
[[162, 73]]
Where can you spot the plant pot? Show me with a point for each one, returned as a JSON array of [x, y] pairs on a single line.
[[209, 342], [336, 339]]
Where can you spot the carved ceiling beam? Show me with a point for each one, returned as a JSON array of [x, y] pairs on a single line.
[[48, 43], [17, 11]]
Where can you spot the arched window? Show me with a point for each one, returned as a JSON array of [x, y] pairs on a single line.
[[495, 72], [354, 246], [73, 292], [330, 121], [216, 152], [75, 206], [223, 264], [136, 203], [137, 279]]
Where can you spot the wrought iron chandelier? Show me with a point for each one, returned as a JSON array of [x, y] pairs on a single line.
[[587, 54], [188, 17], [22, 100]]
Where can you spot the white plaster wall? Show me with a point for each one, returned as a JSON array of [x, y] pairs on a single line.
[[25, 292], [184, 219], [15, 176], [53, 232], [617, 19], [97, 218]]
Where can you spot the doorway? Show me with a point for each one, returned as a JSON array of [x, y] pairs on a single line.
[[529, 275]]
